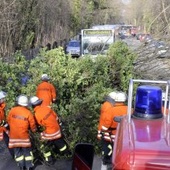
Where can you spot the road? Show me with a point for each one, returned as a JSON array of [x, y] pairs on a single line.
[[132, 42], [8, 163]]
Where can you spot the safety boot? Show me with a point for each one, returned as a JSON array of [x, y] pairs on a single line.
[[30, 168]]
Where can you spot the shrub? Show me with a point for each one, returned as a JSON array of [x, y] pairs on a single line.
[[81, 85]]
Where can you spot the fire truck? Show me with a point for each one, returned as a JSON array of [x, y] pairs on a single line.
[[143, 135]]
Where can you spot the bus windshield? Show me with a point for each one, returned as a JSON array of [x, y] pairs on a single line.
[[94, 41]]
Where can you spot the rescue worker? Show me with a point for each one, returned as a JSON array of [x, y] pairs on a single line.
[[114, 105], [3, 123], [51, 135], [46, 91], [21, 120]]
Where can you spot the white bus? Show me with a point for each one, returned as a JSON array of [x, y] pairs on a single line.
[[96, 41]]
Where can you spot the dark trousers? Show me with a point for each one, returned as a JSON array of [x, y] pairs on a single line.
[[6, 139], [23, 157], [107, 149], [59, 146]]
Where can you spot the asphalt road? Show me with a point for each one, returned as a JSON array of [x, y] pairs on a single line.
[[8, 163], [132, 42]]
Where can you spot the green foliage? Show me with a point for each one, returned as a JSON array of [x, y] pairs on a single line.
[[122, 59], [75, 18], [81, 85], [29, 39], [27, 23], [11, 74]]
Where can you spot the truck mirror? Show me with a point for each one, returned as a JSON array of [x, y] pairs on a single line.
[[83, 157]]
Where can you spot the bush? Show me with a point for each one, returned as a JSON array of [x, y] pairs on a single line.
[[81, 85]]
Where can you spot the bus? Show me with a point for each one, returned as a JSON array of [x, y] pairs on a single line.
[[96, 41]]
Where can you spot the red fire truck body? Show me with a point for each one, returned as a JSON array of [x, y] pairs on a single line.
[[142, 144], [143, 135]]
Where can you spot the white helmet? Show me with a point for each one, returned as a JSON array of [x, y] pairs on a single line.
[[22, 100], [118, 96], [113, 95], [2, 95], [121, 97], [45, 77], [35, 101]]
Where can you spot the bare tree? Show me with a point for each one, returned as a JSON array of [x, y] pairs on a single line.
[[152, 15], [25, 24]]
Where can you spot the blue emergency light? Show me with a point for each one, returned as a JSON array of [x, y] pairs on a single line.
[[148, 103]]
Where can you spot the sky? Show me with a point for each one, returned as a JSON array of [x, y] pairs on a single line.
[[126, 1]]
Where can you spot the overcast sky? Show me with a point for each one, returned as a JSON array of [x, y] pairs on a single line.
[[126, 1]]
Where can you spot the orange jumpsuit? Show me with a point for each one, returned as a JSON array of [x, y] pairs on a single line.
[[2, 117], [48, 119], [20, 120], [51, 134], [46, 91], [106, 123]]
